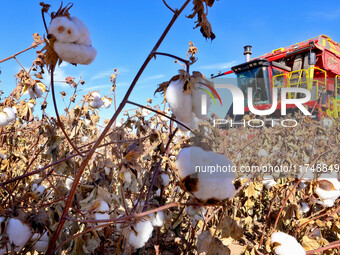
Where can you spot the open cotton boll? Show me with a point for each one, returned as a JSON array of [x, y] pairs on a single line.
[[286, 245], [64, 29], [69, 183], [107, 102], [165, 179], [193, 124], [75, 53], [96, 96], [144, 230], [38, 190], [96, 104], [179, 102], [42, 244], [263, 153], [101, 216], [104, 207], [10, 113], [3, 119], [304, 208], [213, 184], [157, 219], [328, 190], [84, 34], [268, 182], [135, 241], [39, 89], [18, 233]]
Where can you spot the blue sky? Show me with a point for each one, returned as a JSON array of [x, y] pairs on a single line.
[[124, 32]]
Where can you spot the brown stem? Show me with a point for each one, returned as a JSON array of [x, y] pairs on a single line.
[[18, 53], [166, 4], [186, 62], [61, 125], [160, 113], [107, 128], [112, 221], [332, 245], [155, 174]]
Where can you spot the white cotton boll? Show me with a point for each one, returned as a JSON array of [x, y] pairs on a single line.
[[107, 102], [144, 230], [18, 233], [96, 104], [84, 34], [38, 190], [135, 241], [87, 122], [75, 53], [197, 100], [268, 182], [69, 183], [30, 105], [127, 177], [287, 244], [104, 207], [41, 246], [328, 197], [193, 124], [179, 102], [101, 216], [304, 208], [10, 113], [196, 212], [107, 170], [263, 153], [84, 139], [39, 89], [64, 29], [165, 179], [3, 119], [157, 219], [96, 96], [214, 184], [327, 122]]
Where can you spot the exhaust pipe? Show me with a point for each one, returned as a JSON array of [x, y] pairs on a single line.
[[247, 52]]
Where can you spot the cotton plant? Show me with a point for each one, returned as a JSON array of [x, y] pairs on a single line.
[[192, 163], [72, 43], [184, 94], [35, 91], [284, 244]]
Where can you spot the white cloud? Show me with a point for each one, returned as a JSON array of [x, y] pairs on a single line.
[[219, 66], [107, 73], [151, 78], [329, 14]]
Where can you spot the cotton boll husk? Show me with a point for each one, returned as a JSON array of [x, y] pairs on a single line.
[[96, 104], [144, 230], [328, 197], [288, 246], [217, 185], [179, 102], [84, 34], [18, 233], [135, 241], [75, 53], [157, 219], [3, 119], [64, 29], [10, 113], [197, 101]]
